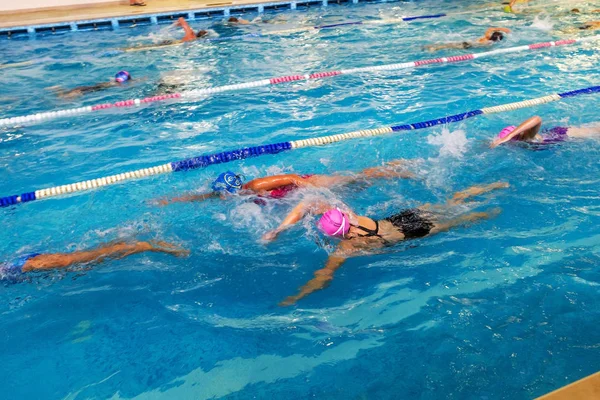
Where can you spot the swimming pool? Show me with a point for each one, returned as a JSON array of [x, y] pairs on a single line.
[[503, 309]]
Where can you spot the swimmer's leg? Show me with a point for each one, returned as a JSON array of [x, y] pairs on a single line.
[[57, 90], [436, 47], [460, 197], [330, 180], [100, 254], [584, 132], [389, 170], [463, 220]]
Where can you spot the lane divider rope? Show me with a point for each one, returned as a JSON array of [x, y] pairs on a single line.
[[247, 152], [45, 116]]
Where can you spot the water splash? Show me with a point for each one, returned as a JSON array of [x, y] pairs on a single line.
[[452, 143]]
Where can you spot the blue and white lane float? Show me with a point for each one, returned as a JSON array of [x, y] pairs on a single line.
[[247, 152], [194, 94]]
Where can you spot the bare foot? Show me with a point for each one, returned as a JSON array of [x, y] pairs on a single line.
[[497, 185], [168, 248], [288, 301], [494, 212]]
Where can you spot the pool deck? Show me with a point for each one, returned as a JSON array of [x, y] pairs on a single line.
[[113, 10], [584, 389]]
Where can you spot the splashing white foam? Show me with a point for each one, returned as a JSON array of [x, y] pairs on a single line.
[[452, 144], [542, 23]]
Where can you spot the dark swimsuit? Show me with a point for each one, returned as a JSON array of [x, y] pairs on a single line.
[[466, 45], [413, 223], [370, 232]]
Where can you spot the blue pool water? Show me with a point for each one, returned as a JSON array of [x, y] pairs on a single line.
[[503, 309]]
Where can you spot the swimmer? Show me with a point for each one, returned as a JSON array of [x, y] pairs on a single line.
[[509, 7], [279, 186], [360, 234], [189, 36], [238, 21], [257, 20], [492, 35], [529, 130], [588, 26], [36, 262], [120, 78]]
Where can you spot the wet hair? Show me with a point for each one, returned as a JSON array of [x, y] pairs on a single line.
[[233, 19], [575, 10], [201, 33], [496, 36]]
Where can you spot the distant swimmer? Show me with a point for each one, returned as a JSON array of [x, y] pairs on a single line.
[[509, 7], [238, 21], [587, 26], [279, 186], [120, 78], [529, 132], [189, 36], [492, 35], [258, 20], [361, 234], [37, 262]]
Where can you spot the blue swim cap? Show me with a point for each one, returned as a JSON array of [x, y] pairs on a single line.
[[227, 181], [122, 76]]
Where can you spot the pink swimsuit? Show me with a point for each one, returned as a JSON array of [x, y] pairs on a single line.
[[282, 191]]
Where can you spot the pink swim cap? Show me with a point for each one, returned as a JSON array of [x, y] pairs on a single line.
[[506, 131], [334, 223]]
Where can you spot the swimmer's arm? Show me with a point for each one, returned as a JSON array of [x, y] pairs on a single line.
[[490, 31], [274, 182], [323, 276], [189, 33], [316, 207], [528, 130], [189, 198]]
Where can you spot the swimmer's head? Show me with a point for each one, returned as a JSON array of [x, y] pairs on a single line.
[[335, 223], [575, 10], [233, 19], [122, 76], [496, 36], [507, 131], [508, 9], [227, 181], [201, 33]]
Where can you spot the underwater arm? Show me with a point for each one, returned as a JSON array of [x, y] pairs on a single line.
[[189, 198], [323, 276]]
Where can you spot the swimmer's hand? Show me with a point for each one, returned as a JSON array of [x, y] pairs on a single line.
[[270, 236]]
